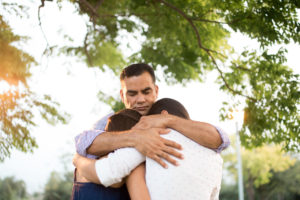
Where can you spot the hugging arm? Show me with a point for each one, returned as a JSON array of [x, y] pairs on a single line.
[[136, 184], [96, 143], [110, 169], [203, 133]]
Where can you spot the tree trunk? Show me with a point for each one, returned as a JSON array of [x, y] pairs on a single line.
[[250, 189]]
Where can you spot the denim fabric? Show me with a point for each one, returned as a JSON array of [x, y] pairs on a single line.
[[92, 191]]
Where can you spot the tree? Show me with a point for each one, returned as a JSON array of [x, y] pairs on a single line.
[[18, 104], [259, 166], [186, 39], [58, 187], [11, 189], [283, 185], [189, 38]]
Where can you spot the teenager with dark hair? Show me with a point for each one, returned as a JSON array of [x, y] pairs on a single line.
[[94, 189]]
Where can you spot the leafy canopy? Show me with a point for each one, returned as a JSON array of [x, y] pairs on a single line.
[[189, 38], [18, 104]]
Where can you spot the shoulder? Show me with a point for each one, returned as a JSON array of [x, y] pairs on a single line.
[[102, 122]]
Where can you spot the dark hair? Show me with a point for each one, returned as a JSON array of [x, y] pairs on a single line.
[[172, 106], [136, 70], [123, 120]]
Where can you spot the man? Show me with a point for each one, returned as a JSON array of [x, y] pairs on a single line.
[[139, 92], [197, 177]]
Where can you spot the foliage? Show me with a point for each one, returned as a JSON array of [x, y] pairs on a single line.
[[115, 104], [11, 189], [189, 38], [58, 187], [283, 184], [228, 192], [272, 113], [18, 104], [259, 166]]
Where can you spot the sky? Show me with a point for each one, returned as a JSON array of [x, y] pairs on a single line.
[[75, 87]]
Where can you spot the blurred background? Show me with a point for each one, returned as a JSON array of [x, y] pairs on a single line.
[[232, 64]]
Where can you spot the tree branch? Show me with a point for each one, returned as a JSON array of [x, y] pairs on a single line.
[[226, 84], [40, 24], [90, 7], [90, 62], [207, 20], [208, 51], [190, 22]]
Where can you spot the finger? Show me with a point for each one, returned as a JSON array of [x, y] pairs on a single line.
[[172, 152], [164, 112], [159, 161], [168, 158], [171, 143], [164, 131]]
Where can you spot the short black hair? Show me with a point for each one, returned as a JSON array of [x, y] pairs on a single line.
[[171, 106], [136, 70], [123, 120]]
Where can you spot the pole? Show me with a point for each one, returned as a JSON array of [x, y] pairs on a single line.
[[240, 173]]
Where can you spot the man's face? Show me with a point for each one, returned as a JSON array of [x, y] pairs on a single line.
[[139, 92]]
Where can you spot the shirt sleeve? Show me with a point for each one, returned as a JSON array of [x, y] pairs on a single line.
[[117, 165], [225, 140], [86, 138]]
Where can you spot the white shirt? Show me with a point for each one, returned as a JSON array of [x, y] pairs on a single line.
[[197, 177]]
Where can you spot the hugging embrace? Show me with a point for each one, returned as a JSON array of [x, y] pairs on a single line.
[[151, 150]]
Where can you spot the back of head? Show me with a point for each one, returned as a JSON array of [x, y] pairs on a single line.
[[136, 70], [171, 106], [123, 120]]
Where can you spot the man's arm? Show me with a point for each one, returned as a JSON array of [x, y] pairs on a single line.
[[200, 132], [203, 133], [85, 139], [148, 142], [97, 143]]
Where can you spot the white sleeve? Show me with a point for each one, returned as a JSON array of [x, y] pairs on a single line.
[[117, 165]]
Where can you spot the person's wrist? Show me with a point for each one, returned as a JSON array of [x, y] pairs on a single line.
[[170, 120], [132, 138]]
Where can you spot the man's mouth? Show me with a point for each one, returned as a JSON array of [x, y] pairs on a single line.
[[143, 108]]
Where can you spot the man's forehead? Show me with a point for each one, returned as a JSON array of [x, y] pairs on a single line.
[[137, 84], [136, 89]]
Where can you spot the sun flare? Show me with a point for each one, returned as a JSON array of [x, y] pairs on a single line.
[[4, 87]]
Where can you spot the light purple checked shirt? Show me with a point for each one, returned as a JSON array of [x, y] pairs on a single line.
[[86, 138]]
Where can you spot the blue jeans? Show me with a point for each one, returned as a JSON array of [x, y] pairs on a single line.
[[92, 191]]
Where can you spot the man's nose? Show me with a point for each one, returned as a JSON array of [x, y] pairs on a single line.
[[141, 98]]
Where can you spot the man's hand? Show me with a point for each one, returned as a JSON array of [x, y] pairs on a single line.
[[151, 144], [153, 121]]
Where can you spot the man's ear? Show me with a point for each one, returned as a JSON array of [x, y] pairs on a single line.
[[156, 89], [121, 95], [164, 112]]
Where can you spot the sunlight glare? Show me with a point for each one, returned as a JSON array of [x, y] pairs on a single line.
[[237, 115], [4, 87]]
